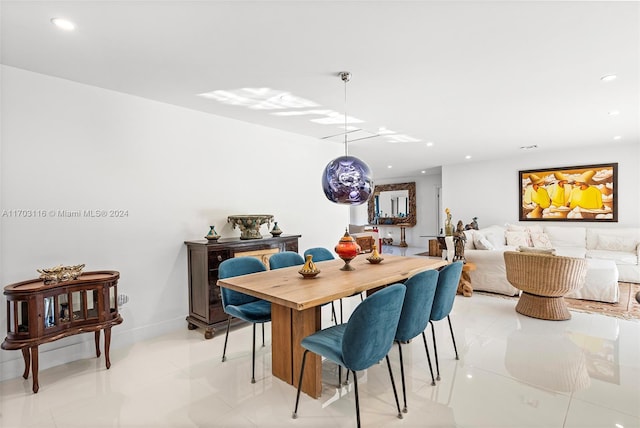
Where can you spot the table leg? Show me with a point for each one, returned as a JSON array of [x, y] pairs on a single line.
[[288, 328], [107, 343], [97, 340], [27, 362], [34, 368]]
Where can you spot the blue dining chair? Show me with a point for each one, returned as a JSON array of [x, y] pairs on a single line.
[[247, 308], [416, 310], [361, 342], [285, 259], [321, 254], [448, 279]]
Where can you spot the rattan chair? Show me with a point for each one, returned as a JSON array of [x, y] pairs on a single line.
[[544, 279]]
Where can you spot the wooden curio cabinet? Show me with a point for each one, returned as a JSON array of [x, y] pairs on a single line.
[[204, 257], [39, 312]]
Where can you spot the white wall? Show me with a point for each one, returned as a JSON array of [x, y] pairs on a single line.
[[489, 190], [67, 146], [426, 211]]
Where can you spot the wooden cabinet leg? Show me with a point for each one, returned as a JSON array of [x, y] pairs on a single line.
[[27, 362], [97, 340], [107, 343], [34, 368]]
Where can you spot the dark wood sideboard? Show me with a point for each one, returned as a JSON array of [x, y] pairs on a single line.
[[39, 312], [204, 257]]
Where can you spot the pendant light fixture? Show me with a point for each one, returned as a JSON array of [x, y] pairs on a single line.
[[347, 179]]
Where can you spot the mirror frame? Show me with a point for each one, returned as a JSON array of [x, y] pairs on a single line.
[[410, 219]]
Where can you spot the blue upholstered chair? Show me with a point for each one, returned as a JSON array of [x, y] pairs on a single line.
[[361, 342], [448, 279], [321, 254], [243, 306], [285, 259], [421, 290]]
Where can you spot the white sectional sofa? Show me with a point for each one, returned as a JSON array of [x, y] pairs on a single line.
[[612, 254]]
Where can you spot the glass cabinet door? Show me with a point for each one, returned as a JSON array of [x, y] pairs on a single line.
[[17, 316], [49, 312], [92, 304], [78, 305], [63, 310]]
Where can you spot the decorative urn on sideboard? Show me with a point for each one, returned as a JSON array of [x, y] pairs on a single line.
[[347, 249]]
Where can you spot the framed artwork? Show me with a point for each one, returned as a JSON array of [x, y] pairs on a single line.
[[576, 193]]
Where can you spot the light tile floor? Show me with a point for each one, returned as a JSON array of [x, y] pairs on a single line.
[[513, 371]]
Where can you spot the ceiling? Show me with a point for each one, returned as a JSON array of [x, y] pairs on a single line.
[[435, 81]]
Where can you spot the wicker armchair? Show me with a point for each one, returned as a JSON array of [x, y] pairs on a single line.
[[544, 279]]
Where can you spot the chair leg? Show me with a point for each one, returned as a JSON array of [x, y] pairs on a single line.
[[424, 339], [404, 389], [455, 348], [334, 318], [355, 384], [435, 350], [226, 337], [304, 359], [393, 385], [341, 312], [263, 335], [253, 356]]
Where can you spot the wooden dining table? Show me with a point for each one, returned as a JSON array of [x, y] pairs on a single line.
[[296, 301]]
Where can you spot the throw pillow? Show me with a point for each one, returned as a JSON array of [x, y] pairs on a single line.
[[516, 239], [468, 244], [549, 251], [616, 243], [481, 242], [540, 240]]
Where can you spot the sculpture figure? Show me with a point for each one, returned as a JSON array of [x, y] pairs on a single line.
[[459, 240]]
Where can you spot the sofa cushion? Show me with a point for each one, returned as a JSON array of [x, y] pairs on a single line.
[[616, 243], [564, 236], [579, 252], [620, 257], [608, 235]]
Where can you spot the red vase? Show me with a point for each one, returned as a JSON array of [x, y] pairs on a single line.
[[347, 249]]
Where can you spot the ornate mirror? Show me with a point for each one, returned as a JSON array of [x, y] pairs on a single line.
[[393, 204]]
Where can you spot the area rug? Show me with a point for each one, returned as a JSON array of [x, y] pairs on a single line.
[[627, 307]]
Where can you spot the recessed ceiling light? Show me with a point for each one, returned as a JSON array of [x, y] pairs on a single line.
[[423, 171], [389, 166], [614, 113], [609, 78], [467, 157], [618, 137], [63, 23], [429, 144]]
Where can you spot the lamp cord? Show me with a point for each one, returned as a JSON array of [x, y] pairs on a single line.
[[346, 150]]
